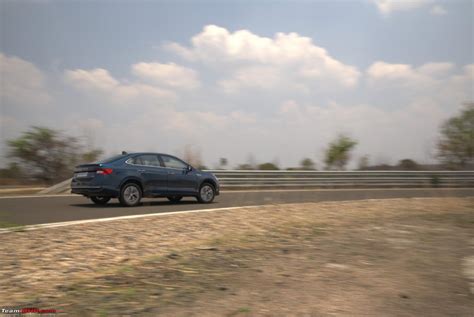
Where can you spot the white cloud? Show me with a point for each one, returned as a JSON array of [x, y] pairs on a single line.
[[469, 74], [438, 10], [272, 97], [406, 75], [247, 56], [380, 132], [189, 122], [436, 69], [439, 83], [171, 75], [22, 83], [98, 78], [258, 77], [459, 86], [388, 6], [432, 91], [10, 127], [99, 81], [289, 106], [243, 117]]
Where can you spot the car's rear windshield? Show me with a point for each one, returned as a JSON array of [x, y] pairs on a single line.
[[111, 159]]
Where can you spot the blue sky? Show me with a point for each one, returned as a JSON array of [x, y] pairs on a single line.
[[82, 34], [381, 47]]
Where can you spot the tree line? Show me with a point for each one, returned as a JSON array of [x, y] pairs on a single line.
[[49, 156]]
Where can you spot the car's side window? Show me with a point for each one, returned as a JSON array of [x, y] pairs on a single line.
[[172, 162], [147, 160]]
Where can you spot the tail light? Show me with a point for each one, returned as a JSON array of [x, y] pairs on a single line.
[[104, 171]]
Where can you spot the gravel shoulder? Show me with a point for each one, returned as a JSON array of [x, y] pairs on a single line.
[[395, 257], [6, 192]]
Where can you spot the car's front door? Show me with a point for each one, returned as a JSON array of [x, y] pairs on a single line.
[[181, 180], [153, 175]]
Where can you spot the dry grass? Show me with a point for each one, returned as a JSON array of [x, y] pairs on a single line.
[[398, 257]]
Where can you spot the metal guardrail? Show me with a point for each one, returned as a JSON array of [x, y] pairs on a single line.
[[256, 179], [233, 179]]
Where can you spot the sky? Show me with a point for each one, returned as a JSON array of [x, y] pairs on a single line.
[[272, 80]]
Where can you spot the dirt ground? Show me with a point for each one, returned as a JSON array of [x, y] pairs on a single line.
[[397, 257]]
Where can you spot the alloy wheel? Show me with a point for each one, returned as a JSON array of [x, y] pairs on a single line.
[[206, 193]]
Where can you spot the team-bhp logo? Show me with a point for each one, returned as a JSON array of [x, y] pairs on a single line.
[[29, 310]]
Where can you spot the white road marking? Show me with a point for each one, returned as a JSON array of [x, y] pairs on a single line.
[[340, 189], [468, 270], [78, 222], [169, 213], [268, 191], [38, 196]]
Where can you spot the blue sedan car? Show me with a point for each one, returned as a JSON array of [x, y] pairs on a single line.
[[132, 176]]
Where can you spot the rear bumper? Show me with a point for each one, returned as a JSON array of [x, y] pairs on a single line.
[[94, 191]]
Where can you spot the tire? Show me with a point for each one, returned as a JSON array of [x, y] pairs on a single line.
[[175, 199], [206, 193], [130, 195], [100, 200]]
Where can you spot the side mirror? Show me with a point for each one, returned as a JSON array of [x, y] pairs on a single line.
[[189, 169]]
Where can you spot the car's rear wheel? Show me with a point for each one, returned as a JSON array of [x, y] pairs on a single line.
[[175, 199], [130, 195], [100, 200], [206, 193]]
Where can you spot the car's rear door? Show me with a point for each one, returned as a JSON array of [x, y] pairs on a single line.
[[180, 180], [152, 174]]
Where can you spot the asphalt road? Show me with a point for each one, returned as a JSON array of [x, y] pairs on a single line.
[[37, 210]]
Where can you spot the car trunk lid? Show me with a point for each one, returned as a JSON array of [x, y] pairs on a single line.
[[86, 172]]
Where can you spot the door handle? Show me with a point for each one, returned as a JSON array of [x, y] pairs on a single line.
[[141, 171], [171, 173]]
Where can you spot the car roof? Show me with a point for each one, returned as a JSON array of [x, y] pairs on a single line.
[[142, 153], [152, 153]]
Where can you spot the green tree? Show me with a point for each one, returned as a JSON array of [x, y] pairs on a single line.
[[12, 171], [408, 164], [47, 155], [268, 166], [456, 143], [307, 164], [338, 152], [91, 156], [245, 166]]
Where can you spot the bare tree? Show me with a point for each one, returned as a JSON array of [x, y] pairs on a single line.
[[192, 155], [223, 162], [363, 162]]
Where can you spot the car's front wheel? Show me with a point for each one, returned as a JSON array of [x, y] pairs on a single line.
[[206, 193], [100, 200], [130, 195], [175, 199]]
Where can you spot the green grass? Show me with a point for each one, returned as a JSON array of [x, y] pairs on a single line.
[[6, 224], [241, 310]]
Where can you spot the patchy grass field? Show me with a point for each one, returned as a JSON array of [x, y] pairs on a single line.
[[399, 257]]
